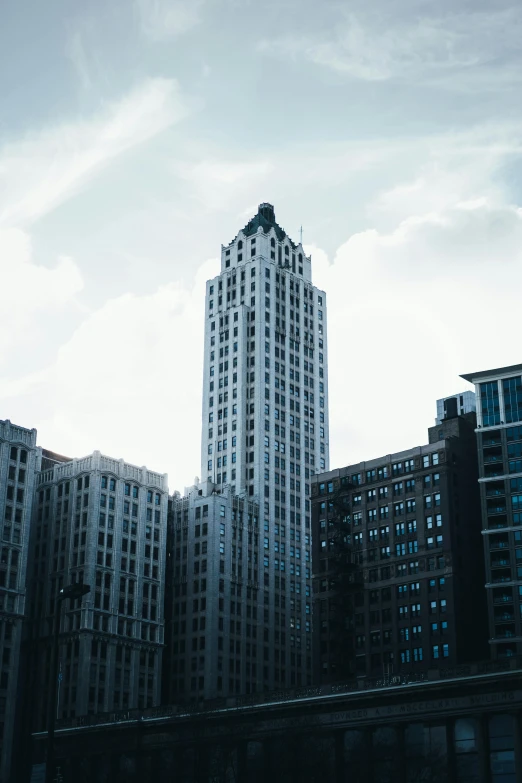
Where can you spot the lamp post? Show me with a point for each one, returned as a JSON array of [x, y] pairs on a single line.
[[76, 590]]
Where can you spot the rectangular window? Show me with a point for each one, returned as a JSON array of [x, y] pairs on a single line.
[[489, 403], [512, 388]]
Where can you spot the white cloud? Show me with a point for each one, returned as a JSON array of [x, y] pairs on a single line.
[[164, 19], [127, 382], [33, 295], [409, 311], [461, 50], [44, 169]]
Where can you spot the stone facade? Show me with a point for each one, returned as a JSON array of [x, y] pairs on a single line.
[[215, 618], [19, 462], [102, 522], [265, 415]]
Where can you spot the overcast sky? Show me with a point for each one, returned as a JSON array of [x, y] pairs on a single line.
[[137, 136]]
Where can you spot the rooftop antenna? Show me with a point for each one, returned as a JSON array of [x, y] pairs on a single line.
[[301, 235]]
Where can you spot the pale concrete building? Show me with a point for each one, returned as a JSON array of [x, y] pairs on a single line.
[[19, 461], [103, 522], [265, 420], [217, 624]]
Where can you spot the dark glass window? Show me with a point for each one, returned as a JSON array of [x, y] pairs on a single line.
[[502, 749], [490, 404], [513, 398]]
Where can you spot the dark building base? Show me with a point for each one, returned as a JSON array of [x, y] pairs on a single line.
[[454, 728]]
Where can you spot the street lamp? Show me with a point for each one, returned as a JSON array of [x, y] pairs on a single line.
[[74, 591]]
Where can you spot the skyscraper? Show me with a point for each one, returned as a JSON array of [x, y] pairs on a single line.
[[265, 416], [499, 436]]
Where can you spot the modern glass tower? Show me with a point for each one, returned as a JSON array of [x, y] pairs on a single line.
[[499, 439], [265, 417]]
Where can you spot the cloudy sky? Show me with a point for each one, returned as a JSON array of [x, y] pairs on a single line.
[[136, 136]]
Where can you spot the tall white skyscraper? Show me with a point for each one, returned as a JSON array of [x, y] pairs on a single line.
[[265, 414]]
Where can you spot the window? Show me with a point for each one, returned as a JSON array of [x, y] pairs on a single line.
[[489, 403]]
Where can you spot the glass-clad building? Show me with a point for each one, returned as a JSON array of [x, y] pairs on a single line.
[[499, 440]]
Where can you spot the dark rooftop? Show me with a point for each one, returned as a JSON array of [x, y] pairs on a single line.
[[477, 376], [266, 219]]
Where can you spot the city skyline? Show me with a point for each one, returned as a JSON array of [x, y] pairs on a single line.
[[140, 147]]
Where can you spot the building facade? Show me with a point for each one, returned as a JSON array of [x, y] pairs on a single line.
[[217, 629], [397, 560], [19, 462], [102, 522], [499, 437], [265, 411]]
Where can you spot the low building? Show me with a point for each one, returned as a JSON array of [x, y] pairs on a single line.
[[447, 726], [397, 560]]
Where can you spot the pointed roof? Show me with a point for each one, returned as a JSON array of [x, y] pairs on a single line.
[[265, 219]]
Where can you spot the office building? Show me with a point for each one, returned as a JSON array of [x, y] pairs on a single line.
[[102, 522], [465, 402], [499, 437], [217, 627], [265, 416], [19, 461], [397, 560]]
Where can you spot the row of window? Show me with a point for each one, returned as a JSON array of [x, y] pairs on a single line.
[[17, 454], [411, 567], [280, 277], [489, 396], [398, 508], [384, 472], [401, 528], [376, 638]]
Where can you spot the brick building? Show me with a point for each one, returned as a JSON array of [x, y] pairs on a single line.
[[397, 560]]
